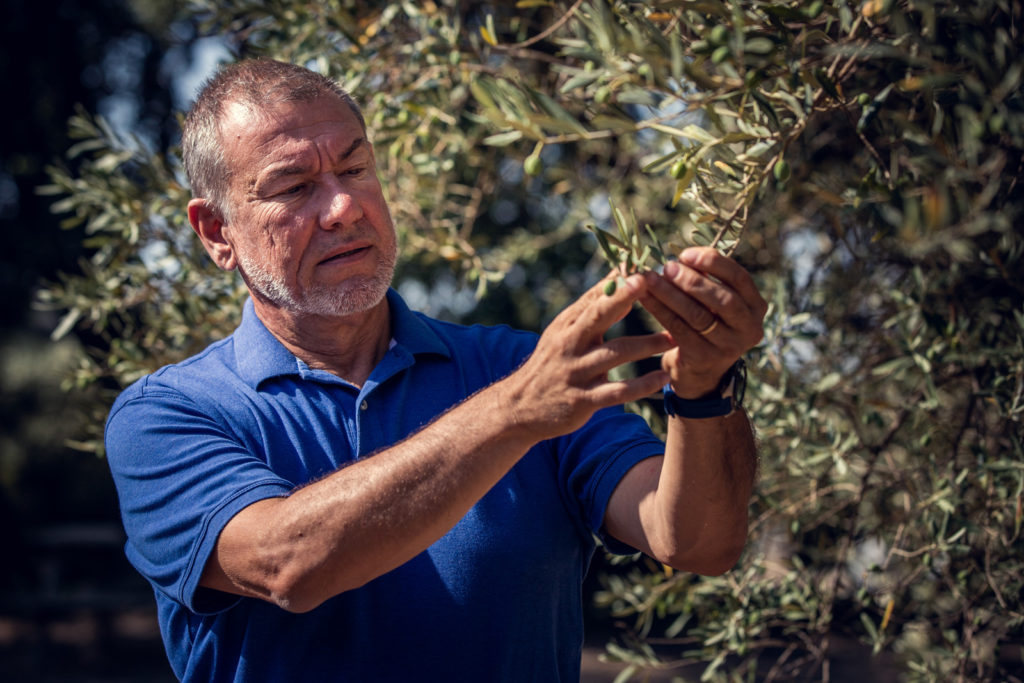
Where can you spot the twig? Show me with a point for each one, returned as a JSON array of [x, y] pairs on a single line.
[[546, 32], [780, 661], [991, 581]]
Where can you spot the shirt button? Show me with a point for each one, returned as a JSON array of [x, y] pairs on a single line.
[[364, 405]]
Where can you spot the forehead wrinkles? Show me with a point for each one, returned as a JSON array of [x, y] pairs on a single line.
[[269, 141], [318, 141], [261, 158], [297, 156]]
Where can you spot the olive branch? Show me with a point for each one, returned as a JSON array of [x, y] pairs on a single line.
[[630, 249]]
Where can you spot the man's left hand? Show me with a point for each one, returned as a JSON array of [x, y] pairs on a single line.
[[710, 306]]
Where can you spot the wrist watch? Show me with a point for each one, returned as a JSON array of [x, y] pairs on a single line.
[[725, 398]]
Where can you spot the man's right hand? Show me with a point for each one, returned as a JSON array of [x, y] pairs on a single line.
[[565, 380]]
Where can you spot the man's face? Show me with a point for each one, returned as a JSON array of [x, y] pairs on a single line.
[[308, 224]]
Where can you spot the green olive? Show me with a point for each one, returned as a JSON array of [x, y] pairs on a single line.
[[719, 34], [781, 171], [609, 288], [720, 54], [532, 165], [678, 169]]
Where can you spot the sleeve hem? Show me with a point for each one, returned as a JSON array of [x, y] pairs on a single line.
[[610, 476], [202, 601]]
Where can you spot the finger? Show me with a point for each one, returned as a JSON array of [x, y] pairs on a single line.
[[624, 350], [726, 270], [675, 309], [596, 311], [716, 296], [632, 389], [715, 339], [722, 304]]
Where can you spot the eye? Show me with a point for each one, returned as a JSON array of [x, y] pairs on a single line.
[[294, 189]]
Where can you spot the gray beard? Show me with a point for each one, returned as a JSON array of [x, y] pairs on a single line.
[[354, 297]]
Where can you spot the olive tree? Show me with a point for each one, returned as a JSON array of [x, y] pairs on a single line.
[[862, 159]]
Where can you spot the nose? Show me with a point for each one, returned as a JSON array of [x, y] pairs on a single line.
[[340, 205]]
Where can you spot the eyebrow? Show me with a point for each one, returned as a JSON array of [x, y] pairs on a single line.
[[299, 169]]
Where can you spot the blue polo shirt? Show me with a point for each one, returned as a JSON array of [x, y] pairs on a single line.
[[498, 598]]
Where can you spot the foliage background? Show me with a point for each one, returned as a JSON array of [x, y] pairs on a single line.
[[862, 159]]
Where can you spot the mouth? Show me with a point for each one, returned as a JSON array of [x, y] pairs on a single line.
[[345, 255]]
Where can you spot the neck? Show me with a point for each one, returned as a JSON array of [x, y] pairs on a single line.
[[349, 347]]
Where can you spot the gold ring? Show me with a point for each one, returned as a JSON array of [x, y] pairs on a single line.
[[710, 328]]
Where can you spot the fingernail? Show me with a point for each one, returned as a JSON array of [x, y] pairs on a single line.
[[671, 269]]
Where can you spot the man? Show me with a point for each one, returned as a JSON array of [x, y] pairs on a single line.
[[345, 490]]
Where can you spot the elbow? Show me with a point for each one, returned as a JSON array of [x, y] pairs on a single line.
[[295, 596], [706, 561], [268, 552], [303, 591], [292, 593], [281, 578], [294, 603], [707, 556], [716, 561]]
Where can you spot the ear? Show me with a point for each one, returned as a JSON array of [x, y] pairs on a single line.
[[210, 226]]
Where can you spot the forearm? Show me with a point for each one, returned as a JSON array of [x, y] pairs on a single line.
[[341, 531], [703, 492], [688, 509]]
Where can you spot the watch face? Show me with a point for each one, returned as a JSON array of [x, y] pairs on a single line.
[[739, 382], [734, 382]]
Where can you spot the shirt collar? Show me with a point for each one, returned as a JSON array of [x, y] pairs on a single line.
[[260, 356]]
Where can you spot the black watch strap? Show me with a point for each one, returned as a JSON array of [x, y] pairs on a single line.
[[726, 397], [697, 407]]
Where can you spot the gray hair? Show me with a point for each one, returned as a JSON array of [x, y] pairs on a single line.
[[259, 84]]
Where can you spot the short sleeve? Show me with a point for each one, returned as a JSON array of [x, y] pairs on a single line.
[[594, 459], [180, 477]]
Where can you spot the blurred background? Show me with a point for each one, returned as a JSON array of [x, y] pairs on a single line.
[[70, 606]]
